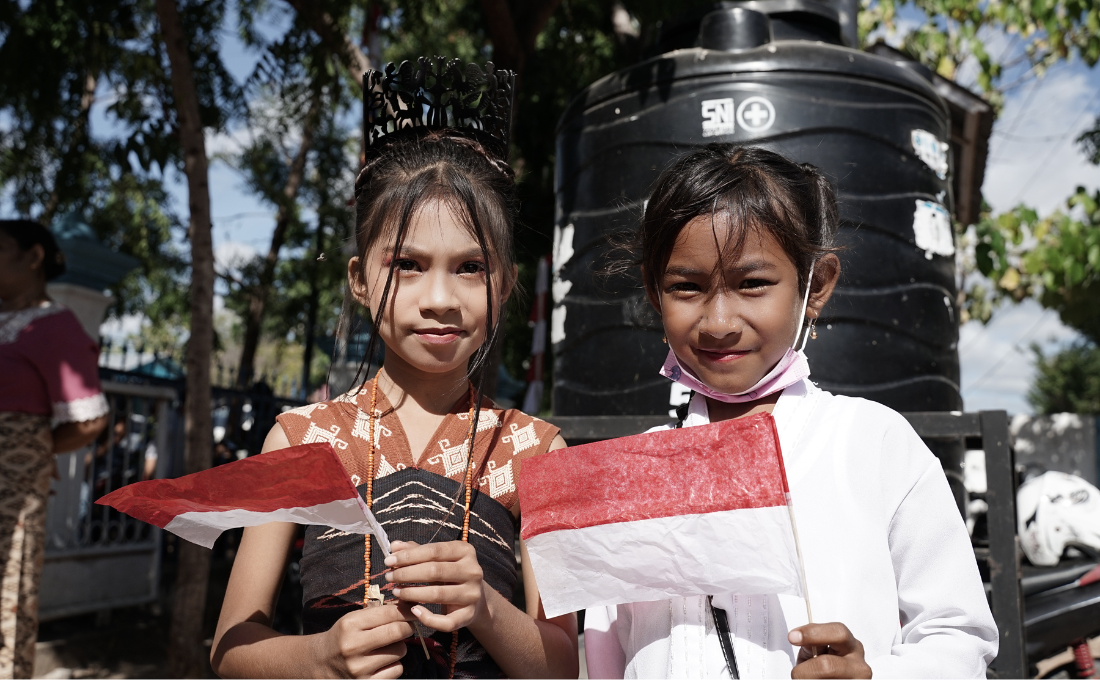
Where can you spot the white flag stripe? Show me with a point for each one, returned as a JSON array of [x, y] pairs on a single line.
[[350, 515], [658, 559]]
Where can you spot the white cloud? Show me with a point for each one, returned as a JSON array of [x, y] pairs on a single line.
[[232, 255], [997, 363], [1033, 157], [227, 143]]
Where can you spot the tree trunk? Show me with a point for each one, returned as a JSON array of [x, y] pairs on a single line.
[[186, 653], [255, 317], [311, 315], [514, 34]]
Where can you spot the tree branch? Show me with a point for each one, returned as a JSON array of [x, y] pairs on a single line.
[[539, 15], [507, 51], [259, 296], [334, 37]]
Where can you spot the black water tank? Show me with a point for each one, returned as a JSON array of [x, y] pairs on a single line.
[[878, 130]]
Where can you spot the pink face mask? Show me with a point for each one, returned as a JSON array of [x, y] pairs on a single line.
[[790, 369]]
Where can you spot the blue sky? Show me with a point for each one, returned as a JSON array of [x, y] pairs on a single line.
[[1032, 159]]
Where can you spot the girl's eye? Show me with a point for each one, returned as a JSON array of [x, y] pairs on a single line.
[[684, 287], [755, 283], [404, 265], [471, 268]]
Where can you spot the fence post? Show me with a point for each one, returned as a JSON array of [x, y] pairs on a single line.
[[1004, 550]]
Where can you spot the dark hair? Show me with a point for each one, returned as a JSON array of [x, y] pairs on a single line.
[[416, 167], [28, 234], [755, 189]]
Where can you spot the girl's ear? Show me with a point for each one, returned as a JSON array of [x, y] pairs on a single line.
[[37, 255], [356, 283], [826, 275]]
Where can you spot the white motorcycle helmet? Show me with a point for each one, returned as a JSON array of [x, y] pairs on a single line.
[[1056, 510]]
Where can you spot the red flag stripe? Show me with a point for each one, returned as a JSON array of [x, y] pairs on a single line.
[[300, 476], [730, 465]]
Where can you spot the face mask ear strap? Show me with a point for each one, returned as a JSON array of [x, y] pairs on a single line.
[[803, 331]]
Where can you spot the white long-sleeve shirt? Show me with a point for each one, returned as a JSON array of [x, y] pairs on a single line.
[[885, 550]]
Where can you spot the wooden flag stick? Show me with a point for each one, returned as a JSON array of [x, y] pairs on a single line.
[[375, 599], [801, 564], [424, 645]]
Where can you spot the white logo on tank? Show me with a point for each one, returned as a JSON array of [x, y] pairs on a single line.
[[718, 117]]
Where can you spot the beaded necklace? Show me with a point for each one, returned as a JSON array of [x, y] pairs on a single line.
[[468, 482]]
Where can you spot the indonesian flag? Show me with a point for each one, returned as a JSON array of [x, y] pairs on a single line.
[[690, 511], [304, 484]]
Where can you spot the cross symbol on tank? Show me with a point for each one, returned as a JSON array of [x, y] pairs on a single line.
[[756, 114]]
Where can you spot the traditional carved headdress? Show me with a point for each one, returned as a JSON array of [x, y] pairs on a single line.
[[436, 94]]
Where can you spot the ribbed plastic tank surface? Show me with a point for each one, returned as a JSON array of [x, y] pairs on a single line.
[[878, 130]]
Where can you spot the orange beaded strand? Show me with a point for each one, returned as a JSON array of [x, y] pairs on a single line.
[[466, 514], [468, 482], [370, 488]]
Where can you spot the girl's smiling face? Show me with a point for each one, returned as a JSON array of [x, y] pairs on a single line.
[[731, 318], [436, 312]]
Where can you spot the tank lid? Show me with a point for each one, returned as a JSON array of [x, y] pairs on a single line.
[[780, 56], [734, 30], [812, 20]]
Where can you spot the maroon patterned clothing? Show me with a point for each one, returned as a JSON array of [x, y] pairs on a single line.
[[421, 502]]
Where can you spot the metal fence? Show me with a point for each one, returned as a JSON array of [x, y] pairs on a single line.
[[96, 557]]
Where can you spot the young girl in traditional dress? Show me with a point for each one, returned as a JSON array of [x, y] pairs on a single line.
[[434, 215], [736, 254]]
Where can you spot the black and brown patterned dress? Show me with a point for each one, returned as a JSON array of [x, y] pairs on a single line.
[[416, 501]]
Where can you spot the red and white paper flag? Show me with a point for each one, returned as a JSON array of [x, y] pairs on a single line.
[[691, 511], [304, 484]]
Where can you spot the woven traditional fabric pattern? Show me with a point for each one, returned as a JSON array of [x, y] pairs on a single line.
[[26, 461], [417, 501]]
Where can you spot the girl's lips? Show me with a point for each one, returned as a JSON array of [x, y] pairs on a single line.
[[439, 336], [720, 356]]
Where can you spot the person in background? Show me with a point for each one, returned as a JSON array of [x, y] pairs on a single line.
[[50, 402]]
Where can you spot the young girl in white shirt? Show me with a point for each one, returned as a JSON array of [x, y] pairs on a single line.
[[736, 255]]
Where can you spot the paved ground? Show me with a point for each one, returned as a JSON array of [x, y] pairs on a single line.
[[130, 643]]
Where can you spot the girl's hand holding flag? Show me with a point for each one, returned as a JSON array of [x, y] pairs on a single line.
[[828, 650], [368, 643], [447, 574]]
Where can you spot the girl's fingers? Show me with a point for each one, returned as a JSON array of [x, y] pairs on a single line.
[[460, 595], [435, 572], [373, 617], [830, 666], [369, 642], [369, 664], [407, 553], [836, 636], [391, 671], [839, 653], [445, 622]]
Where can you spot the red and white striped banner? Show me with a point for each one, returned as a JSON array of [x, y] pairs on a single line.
[[691, 511], [304, 484]]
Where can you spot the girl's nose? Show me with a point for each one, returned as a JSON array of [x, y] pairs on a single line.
[[439, 296], [720, 316]]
